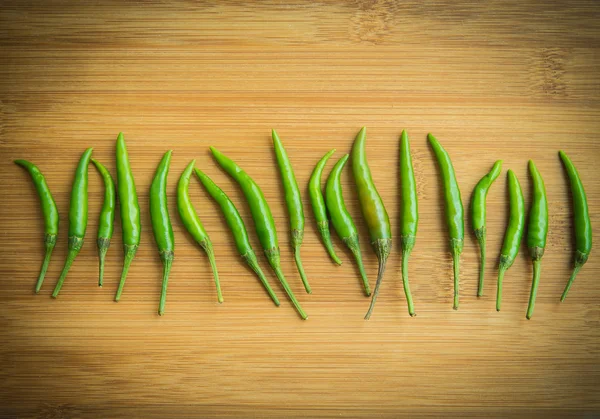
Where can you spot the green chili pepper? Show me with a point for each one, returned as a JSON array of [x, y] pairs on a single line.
[[583, 225], [161, 223], [341, 218], [514, 231], [373, 210], [192, 223], [478, 203], [107, 217], [78, 215], [537, 231], [454, 209], [130, 210], [293, 200], [263, 220], [318, 204], [409, 213], [238, 228], [50, 213]]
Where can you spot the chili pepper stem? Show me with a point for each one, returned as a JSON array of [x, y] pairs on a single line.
[[289, 292], [501, 272], [409, 301], [129, 255], [534, 287], [456, 265], [301, 270], [207, 247], [50, 242], [103, 244], [250, 259], [167, 258], [326, 235], [571, 279], [480, 234], [70, 258], [382, 250]]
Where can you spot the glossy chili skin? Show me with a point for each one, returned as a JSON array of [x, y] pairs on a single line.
[[373, 210], [514, 232], [78, 215], [455, 219], [161, 223], [409, 213], [238, 229], [478, 213], [192, 223], [107, 217], [49, 212], [341, 218], [537, 231], [130, 210], [293, 201], [263, 220], [581, 218], [318, 204]]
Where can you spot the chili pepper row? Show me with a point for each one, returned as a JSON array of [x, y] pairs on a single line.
[[328, 205]]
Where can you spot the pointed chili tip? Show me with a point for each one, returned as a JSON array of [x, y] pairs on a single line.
[[430, 137], [403, 135], [121, 136], [274, 133]]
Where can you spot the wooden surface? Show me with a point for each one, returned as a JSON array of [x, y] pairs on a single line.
[[496, 80]]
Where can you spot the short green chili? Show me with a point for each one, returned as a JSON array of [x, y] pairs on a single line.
[[78, 215], [49, 212], [374, 213], [454, 209], [341, 218], [581, 218], [161, 224], [409, 214], [193, 225], [107, 217], [478, 204], [263, 220], [514, 231], [293, 200], [238, 228], [130, 210], [537, 231], [318, 204]]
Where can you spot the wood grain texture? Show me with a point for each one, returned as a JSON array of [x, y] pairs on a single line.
[[492, 80]]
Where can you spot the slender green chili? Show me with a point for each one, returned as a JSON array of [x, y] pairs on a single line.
[[478, 204], [372, 209], [537, 231], [341, 218], [454, 209], [130, 210], [193, 225], [409, 214], [514, 231], [50, 213], [161, 224], [581, 218], [293, 200], [238, 228], [263, 220], [318, 204], [78, 215], [107, 217]]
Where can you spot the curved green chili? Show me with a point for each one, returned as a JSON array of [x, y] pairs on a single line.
[[372, 209], [78, 215], [581, 218], [193, 225], [478, 204], [130, 210], [107, 217], [238, 228], [161, 223], [263, 220], [318, 204], [341, 218], [537, 231], [293, 200], [409, 214], [454, 209], [514, 231], [49, 212]]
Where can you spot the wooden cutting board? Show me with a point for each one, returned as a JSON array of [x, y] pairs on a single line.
[[497, 80]]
